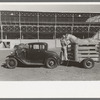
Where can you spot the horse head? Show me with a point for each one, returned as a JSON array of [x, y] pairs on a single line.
[[71, 38], [96, 36]]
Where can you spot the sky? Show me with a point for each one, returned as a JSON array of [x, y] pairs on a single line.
[[52, 7]]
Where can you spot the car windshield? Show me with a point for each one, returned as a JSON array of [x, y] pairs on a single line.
[[42, 47]]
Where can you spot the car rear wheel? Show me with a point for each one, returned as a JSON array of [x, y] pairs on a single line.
[[11, 63], [51, 63], [88, 63]]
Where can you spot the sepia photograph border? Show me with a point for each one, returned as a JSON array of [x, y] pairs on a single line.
[[50, 89]]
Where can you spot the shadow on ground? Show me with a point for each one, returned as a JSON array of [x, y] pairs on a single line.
[[24, 66], [65, 63], [72, 64]]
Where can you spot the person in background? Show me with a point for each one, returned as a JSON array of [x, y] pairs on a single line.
[[64, 43]]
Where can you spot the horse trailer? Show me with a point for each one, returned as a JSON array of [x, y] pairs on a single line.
[[85, 54]]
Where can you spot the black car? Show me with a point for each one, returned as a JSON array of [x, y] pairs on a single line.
[[33, 54]]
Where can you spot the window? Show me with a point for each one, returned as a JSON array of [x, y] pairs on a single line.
[[35, 46], [42, 47]]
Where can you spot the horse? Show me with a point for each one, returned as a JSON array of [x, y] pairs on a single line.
[[76, 40]]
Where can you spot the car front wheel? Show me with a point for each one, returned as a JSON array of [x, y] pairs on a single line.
[[51, 63], [11, 63]]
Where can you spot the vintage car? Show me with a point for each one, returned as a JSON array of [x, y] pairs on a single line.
[[33, 54]]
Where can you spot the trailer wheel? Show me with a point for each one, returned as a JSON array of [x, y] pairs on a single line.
[[88, 63]]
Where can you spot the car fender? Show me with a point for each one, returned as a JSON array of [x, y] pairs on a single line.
[[11, 56], [52, 56]]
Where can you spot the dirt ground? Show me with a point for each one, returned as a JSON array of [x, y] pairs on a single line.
[[40, 73]]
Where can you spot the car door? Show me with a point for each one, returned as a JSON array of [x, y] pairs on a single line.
[[39, 53], [32, 53], [36, 54], [41, 56]]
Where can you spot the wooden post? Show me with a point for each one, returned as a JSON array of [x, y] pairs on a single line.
[[38, 26], [99, 51], [20, 26], [1, 27], [72, 24], [55, 30], [5, 36], [76, 52]]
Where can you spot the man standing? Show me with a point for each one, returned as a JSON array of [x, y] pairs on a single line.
[[64, 43]]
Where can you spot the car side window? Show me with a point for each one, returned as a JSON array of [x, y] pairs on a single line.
[[36, 47], [42, 47], [31, 46]]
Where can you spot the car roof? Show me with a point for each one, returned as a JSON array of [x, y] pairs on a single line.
[[41, 43]]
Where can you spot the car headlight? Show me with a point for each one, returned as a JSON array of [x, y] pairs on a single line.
[[11, 52]]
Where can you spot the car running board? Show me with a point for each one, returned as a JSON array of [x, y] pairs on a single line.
[[30, 63]]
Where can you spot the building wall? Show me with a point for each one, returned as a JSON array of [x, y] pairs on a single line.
[[46, 25], [51, 43]]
